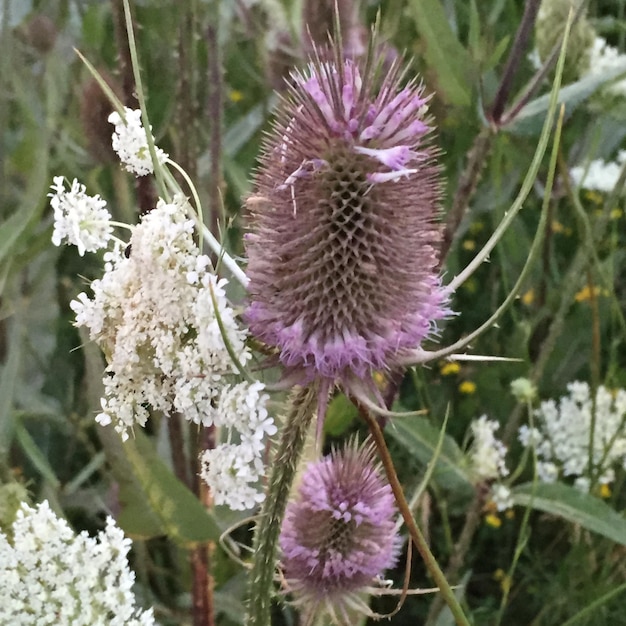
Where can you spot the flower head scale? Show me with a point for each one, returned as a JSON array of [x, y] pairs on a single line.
[[339, 534], [343, 248]]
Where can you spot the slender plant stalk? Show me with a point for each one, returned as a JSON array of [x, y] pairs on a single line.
[[518, 49], [472, 521], [144, 187], [215, 101], [416, 534], [266, 534], [203, 601]]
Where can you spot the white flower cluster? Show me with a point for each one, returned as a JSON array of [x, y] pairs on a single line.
[[153, 315], [562, 438], [599, 175], [487, 458], [604, 58], [79, 219], [130, 142], [52, 576]]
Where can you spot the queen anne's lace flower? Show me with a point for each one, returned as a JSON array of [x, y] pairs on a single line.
[[488, 460], [339, 533], [52, 576], [599, 175], [562, 436], [79, 219], [131, 143], [605, 58], [152, 313], [343, 248]]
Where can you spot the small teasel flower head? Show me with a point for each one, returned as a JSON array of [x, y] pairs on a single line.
[[79, 219], [131, 143], [50, 575], [343, 249], [339, 533]]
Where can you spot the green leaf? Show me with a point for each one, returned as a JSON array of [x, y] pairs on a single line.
[[35, 455], [531, 118], [8, 380], [340, 414], [574, 506], [473, 38], [182, 515], [420, 439], [137, 518], [446, 57]]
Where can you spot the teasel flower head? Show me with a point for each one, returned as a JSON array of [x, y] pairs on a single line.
[[339, 533], [344, 238]]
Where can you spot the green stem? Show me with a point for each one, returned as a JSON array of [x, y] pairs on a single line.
[[472, 521], [284, 466], [416, 534]]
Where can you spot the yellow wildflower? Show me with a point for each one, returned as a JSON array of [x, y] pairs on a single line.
[[235, 95], [605, 491], [469, 245], [594, 196], [449, 368], [503, 578], [616, 214], [557, 227], [493, 520], [467, 387], [586, 293], [529, 297], [379, 379]]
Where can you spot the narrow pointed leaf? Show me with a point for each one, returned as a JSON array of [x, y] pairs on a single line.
[[574, 506], [449, 61], [421, 439], [182, 515], [530, 119]]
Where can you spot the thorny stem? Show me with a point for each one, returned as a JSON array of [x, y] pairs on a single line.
[[476, 158], [472, 520], [509, 116], [266, 533], [478, 153], [517, 50], [414, 531]]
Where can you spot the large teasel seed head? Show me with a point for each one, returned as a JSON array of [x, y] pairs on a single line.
[[344, 234]]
